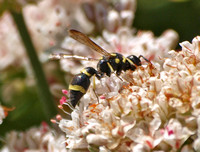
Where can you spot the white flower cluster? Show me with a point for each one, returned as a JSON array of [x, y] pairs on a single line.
[[49, 27], [46, 28], [112, 18], [42, 139], [155, 109], [9, 41]]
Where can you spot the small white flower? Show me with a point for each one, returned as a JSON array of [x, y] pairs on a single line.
[[96, 139]]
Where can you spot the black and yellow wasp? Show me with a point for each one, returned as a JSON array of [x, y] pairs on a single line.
[[107, 64]]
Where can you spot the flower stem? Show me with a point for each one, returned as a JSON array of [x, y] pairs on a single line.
[[48, 104]]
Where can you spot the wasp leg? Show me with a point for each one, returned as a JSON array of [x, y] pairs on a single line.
[[94, 87], [119, 77], [141, 56]]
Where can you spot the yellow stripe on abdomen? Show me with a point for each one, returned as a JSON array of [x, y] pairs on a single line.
[[77, 88]]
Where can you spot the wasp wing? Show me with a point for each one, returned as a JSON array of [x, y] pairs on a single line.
[[67, 56], [84, 39]]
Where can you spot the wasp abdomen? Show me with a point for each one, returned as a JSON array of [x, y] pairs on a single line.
[[80, 84], [78, 88]]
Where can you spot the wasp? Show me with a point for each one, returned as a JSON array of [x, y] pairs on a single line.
[[107, 64]]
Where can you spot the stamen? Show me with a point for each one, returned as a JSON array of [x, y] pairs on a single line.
[[63, 100], [69, 105], [58, 117], [61, 107], [64, 91], [102, 97], [54, 121]]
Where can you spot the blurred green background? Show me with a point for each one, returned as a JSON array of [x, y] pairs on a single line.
[[158, 15]]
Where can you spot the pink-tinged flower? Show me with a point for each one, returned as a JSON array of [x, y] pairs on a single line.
[[48, 28], [35, 139], [155, 107], [103, 16], [9, 41], [175, 134]]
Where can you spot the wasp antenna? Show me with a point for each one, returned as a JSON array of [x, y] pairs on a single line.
[[54, 56]]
